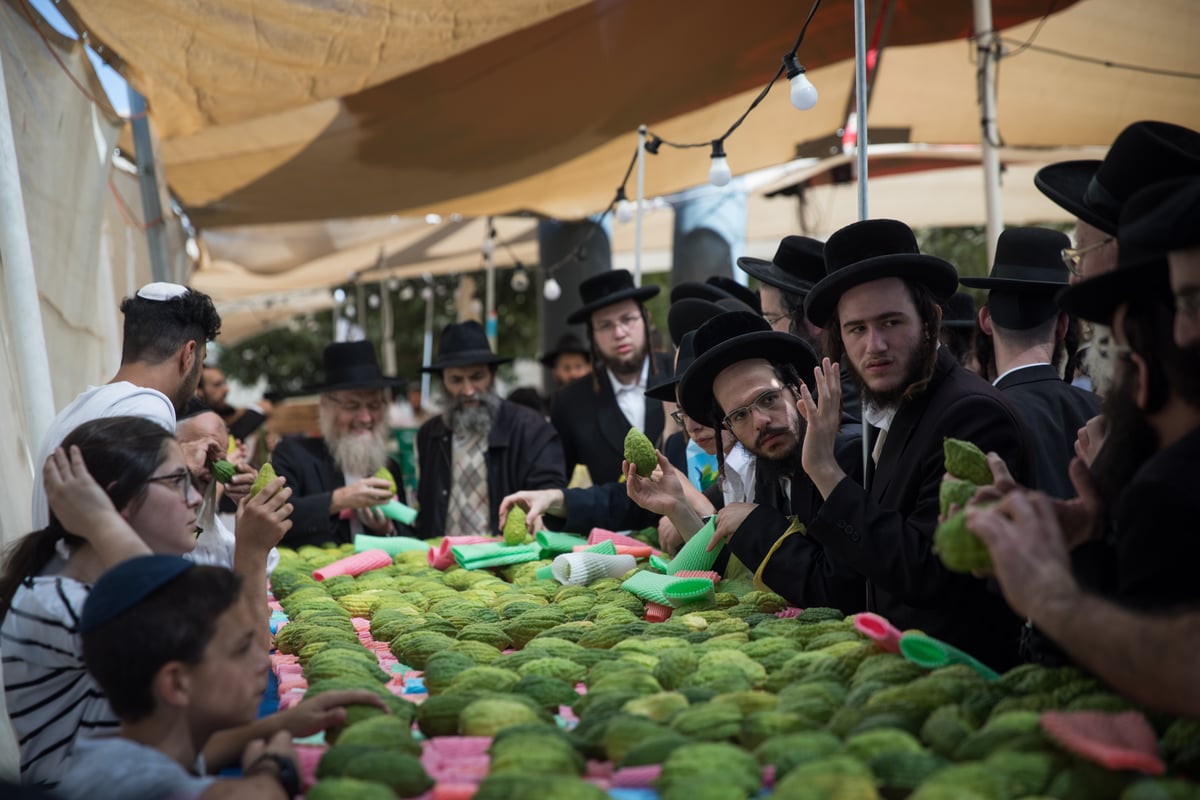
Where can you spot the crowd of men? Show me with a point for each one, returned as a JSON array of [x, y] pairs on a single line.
[[810, 419]]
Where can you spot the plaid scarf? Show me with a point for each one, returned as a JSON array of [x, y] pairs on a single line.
[[467, 514]]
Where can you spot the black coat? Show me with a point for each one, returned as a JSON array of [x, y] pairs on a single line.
[[523, 453], [312, 476], [886, 534], [1053, 411], [592, 427], [800, 569], [608, 505]]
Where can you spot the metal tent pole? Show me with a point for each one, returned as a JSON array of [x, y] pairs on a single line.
[[987, 45]]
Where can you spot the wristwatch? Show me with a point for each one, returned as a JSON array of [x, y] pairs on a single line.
[[285, 771]]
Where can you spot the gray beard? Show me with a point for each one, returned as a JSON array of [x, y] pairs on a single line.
[[1098, 360], [355, 455], [471, 421]]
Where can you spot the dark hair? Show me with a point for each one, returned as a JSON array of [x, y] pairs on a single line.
[[1149, 328], [529, 397], [597, 358], [173, 623], [156, 329], [120, 453], [793, 304]]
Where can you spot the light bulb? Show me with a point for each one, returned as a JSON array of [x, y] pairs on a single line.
[[489, 246], [718, 173], [373, 301], [804, 94], [625, 210], [551, 290], [520, 280], [427, 293], [407, 293], [339, 296], [350, 311]]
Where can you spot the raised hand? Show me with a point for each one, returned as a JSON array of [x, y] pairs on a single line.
[[824, 418], [83, 508], [263, 520]]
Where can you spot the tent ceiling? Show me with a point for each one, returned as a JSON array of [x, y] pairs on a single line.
[[272, 118]]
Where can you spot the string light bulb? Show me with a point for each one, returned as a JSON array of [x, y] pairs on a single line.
[[625, 208], [551, 290], [804, 94], [520, 280], [718, 173]]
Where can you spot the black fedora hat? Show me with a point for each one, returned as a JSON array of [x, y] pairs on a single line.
[[1027, 260], [352, 365], [463, 344], [736, 291], [1146, 152], [1141, 258], [1164, 217], [798, 265], [690, 313], [959, 311], [728, 339], [695, 290], [606, 289], [870, 250], [567, 343], [665, 389]]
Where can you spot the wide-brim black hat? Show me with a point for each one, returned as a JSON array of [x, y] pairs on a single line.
[[1027, 260], [798, 265], [463, 344], [352, 365], [665, 389], [689, 313], [695, 290], [1141, 264], [959, 311], [567, 343], [736, 291], [1144, 153], [870, 250], [606, 289], [1163, 217], [727, 339]]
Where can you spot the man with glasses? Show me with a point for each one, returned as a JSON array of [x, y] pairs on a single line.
[[166, 333], [481, 448], [879, 305], [593, 414], [334, 472]]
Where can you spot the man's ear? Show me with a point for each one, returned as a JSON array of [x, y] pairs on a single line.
[[172, 685], [188, 354], [985, 320], [1060, 328], [1141, 391]]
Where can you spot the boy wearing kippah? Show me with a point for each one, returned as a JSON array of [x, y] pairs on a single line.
[[179, 659]]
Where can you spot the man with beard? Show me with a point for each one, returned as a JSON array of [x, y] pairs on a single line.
[[334, 472], [878, 304], [166, 333], [1027, 331], [481, 448], [593, 414], [213, 390], [745, 379], [785, 282], [1141, 634]]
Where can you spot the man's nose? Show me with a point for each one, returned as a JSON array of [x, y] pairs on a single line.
[[876, 342]]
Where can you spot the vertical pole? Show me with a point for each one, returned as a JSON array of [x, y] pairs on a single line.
[[860, 93], [988, 49], [641, 194], [427, 346], [143, 150], [860, 143], [489, 263], [387, 323], [20, 287]]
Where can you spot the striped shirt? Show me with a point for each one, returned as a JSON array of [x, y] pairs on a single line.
[[51, 697]]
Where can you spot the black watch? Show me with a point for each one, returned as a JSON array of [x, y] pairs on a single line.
[[285, 771]]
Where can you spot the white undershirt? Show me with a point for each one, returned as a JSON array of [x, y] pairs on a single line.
[[631, 398], [1008, 372]]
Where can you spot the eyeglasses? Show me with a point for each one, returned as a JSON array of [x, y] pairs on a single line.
[[1073, 256], [679, 417], [374, 408], [766, 402], [773, 318], [180, 481], [609, 326], [1188, 305]]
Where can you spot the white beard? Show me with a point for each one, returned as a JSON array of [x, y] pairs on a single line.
[[1098, 360], [356, 454]]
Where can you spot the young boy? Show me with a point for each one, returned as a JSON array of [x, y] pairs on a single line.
[[179, 658]]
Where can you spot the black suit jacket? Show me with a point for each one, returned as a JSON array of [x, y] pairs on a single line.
[[886, 534], [592, 427], [523, 452], [1053, 411], [312, 476]]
